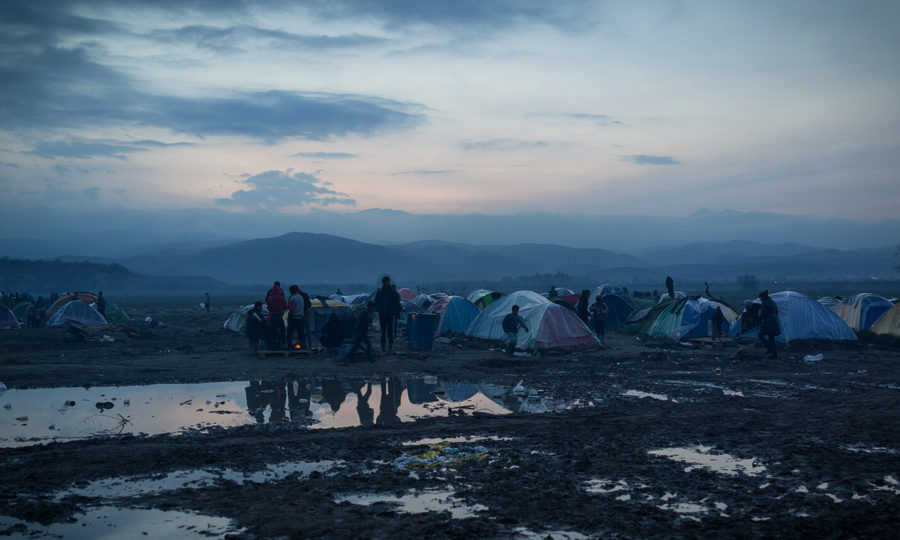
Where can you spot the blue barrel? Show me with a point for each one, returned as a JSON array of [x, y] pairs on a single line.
[[420, 328]]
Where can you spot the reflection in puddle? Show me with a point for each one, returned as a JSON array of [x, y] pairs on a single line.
[[137, 486], [640, 394], [418, 502], [700, 458], [110, 522], [61, 414]]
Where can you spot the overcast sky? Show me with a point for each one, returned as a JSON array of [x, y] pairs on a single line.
[[463, 106]]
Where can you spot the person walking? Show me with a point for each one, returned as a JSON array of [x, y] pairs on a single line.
[[277, 305], [387, 302], [206, 301], [598, 316], [768, 323], [583, 305], [296, 318], [511, 324]]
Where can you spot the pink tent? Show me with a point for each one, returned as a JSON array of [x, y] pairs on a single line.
[[406, 294]]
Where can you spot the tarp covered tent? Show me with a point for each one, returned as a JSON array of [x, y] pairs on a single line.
[[888, 323], [86, 297], [406, 294], [456, 314], [688, 318], [801, 317], [619, 305], [550, 325], [78, 311], [423, 300], [482, 298], [860, 311], [8, 318], [640, 321], [238, 320], [665, 296]]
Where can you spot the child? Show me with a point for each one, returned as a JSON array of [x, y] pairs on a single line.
[[511, 324]]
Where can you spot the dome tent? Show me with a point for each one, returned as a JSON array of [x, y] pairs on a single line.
[[8, 318], [549, 325], [888, 323], [482, 298], [456, 314], [619, 305], [801, 317], [77, 311], [688, 318], [860, 311], [237, 322]]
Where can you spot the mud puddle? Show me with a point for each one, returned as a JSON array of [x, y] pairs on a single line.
[[418, 502]]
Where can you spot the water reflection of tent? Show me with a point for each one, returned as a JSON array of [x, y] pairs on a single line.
[[77, 311], [888, 323], [419, 391], [467, 395], [860, 311], [619, 305], [8, 319], [801, 317], [456, 314], [549, 325]]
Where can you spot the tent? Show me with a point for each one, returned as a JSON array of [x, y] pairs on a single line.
[[86, 297], [456, 314], [828, 301], [21, 308], [861, 311], [550, 325], [482, 298], [689, 317], [888, 323], [321, 310], [78, 311], [238, 320], [406, 294], [619, 305], [801, 317], [665, 296], [8, 318]]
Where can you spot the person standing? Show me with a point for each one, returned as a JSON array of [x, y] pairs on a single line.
[[256, 329], [100, 302], [361, 333], [206, 301], [510, 325], [768, 323], [583, 305], [277, 305], [718, 322], [296, 317], [387, 302], [670, 286], [598, 313]]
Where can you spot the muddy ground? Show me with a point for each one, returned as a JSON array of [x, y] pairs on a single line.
[[821, 441]]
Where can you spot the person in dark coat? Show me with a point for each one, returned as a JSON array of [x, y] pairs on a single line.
[[332, 332], [206, 301], [598, 313], [257, 329], [670, 286], [768, 323], [101, 304], [387, 302], [582, 307], [277, 305], [718, 321]]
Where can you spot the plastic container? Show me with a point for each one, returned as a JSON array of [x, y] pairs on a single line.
[[420, 328]]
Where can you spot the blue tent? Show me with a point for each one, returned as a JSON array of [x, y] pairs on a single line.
[[456, 314], [860, 311], [619, 305], [801, 317]]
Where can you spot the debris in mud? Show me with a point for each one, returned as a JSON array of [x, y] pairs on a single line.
[[442, 454]]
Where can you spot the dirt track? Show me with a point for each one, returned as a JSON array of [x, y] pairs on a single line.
[[819, 440]]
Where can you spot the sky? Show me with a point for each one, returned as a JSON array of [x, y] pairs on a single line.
[[457, 107]]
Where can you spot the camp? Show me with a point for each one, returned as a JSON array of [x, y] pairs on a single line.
[[619, 305], [78, 311], [860, 311], [888, 323], [801, 317], [456, 314], [549, 325]]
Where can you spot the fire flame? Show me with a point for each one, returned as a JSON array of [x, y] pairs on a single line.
[[297, 346]]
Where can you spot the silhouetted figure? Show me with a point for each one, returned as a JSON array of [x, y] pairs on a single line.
[[333, 393], [363, 409], [670, 286], [583, 305], [598, 316], [718, 322], [387, 302], [206, 301], [257, 329], [332, 333], [100, 303], [276, 305], [296, 318], [510, 325], [361, 333], [768, 323], [298, 395], [552, 293], [391, 390]]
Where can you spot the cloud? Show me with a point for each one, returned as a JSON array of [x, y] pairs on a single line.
[[65, 88], [425, 172], [324, 155], [13, 165], [597, 119], [231, 38], [273, 190], [643, 159], [501, 144], [91, 193], [82, 150]]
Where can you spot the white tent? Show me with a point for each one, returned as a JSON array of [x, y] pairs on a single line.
[[549, 325]]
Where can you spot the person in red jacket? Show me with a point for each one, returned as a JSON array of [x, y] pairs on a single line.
[[277, 305]]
